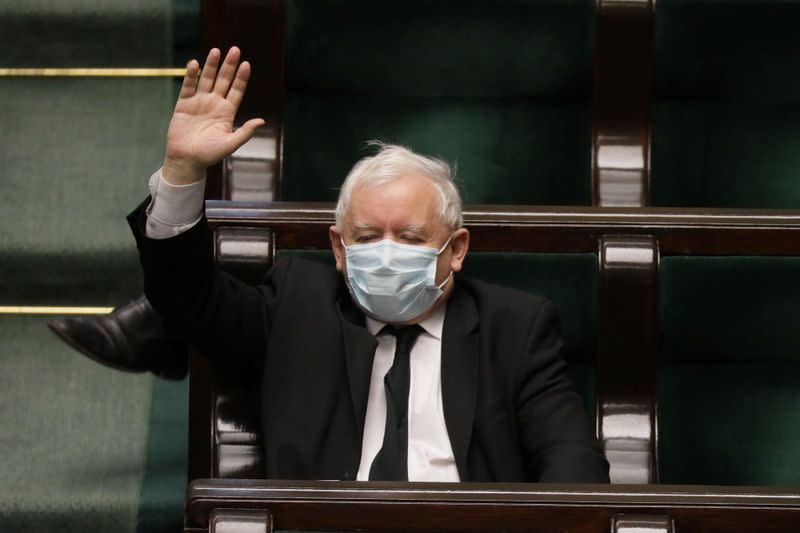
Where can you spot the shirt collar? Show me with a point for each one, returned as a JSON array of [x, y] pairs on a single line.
[[432, 325]]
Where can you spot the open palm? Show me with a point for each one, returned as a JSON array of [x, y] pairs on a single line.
[[201, 131]]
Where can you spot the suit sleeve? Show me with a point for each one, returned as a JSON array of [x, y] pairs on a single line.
[[560, 446], [219, 315]]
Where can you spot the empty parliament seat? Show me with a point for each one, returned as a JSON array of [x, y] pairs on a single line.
[[503, 89], [725, 116], [729, 404], [726, 134]]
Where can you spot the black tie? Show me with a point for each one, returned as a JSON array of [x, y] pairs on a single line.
[[391, 462]]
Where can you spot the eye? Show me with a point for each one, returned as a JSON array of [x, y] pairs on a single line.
[[412, 239]]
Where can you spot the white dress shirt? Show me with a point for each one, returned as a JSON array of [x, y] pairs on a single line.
[[173, 209], [430, 455], [176, 208]]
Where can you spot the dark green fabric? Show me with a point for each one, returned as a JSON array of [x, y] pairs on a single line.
[[733, 50], [74, 436], [730, 424], [87, 33], [85, 448], [729, 397], [446, 48], [725, 117], [163, 490], [76, 157], [503, 91], [504, 151], [713, 154], [730, 309]]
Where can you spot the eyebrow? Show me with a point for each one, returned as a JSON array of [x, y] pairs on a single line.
[[366, 228], [411, 228], [415, 228]]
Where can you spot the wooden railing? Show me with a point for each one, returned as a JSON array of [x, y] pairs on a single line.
[[218, 505]]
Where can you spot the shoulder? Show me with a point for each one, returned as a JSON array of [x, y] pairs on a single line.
[[494, 299], [515, 319], [295, 273]]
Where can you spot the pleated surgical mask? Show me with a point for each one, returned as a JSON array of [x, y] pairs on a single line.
[[393, 282]]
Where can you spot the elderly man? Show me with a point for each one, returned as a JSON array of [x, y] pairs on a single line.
[[388, 367]]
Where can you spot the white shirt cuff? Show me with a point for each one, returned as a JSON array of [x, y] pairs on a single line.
[[173, 209]]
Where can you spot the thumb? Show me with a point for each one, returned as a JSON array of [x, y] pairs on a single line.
[[244, 133]]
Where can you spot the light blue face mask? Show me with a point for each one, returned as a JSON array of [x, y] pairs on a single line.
[[393, 282]]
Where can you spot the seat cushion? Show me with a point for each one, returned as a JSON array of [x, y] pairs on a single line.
[[85, 448], [729, 397], [77, 155]]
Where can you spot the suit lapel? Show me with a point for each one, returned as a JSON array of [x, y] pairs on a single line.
[[359, 350], [460, 373]]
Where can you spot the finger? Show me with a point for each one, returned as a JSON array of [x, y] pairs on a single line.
[[209, 72], [189, 85], [236, 93], [227, 72], [244, 133]]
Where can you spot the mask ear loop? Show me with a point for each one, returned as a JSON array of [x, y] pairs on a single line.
[[450, 238], [442, 284]]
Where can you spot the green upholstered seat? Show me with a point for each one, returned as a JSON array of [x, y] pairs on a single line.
[[503, 90], [568, 280], [77, 155], [87, 452], [86, 33], [729, 393], [725, 117], [85, 448]]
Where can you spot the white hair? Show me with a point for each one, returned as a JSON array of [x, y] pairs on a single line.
[[392, 162]]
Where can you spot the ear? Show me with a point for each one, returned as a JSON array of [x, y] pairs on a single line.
[[459, 245], [336, 246]]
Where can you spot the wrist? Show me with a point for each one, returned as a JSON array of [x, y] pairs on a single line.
[[182, 172]]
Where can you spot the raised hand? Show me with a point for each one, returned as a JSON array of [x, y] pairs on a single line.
[[201, 131]]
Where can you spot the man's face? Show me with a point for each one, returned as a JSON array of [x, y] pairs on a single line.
[[405, 210]]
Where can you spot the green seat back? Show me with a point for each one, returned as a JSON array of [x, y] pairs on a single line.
[[502, 90], [729, 393], [77, 155], [726, 119]]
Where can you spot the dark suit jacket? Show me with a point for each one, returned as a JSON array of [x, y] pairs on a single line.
[[511, 412]]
